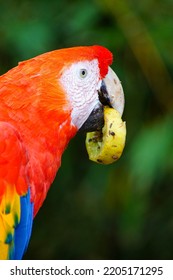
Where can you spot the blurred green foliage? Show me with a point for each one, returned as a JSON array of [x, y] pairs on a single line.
[[122, 211]]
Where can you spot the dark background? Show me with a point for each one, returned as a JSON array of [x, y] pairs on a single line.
[[125, 210]]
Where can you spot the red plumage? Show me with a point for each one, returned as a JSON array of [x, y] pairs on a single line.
[[35, 115]]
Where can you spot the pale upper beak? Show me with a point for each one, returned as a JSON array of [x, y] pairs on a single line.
[[111, 90], [110, 94]]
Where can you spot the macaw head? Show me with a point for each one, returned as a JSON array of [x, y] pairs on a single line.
[[74, 81], [90, 84]]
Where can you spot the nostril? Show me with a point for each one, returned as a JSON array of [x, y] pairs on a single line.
[[103, 95]]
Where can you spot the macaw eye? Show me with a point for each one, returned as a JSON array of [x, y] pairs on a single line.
[[83, 73]]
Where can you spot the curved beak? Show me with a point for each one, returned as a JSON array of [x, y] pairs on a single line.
[[110, 94]]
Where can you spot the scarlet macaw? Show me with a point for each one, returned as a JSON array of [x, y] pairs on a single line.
[[44, 101]]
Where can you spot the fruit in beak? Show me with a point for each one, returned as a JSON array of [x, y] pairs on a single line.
[[106, 146]]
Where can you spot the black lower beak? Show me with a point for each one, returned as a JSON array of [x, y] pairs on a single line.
[[95, 121]]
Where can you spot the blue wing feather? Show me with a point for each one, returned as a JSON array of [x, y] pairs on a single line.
[[24, 228]]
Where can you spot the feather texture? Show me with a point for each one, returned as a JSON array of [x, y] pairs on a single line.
[[23, 229]]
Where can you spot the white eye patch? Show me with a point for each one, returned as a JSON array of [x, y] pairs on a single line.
[[80, 82]]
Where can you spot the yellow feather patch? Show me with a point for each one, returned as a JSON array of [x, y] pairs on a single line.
[[4, 249], [9, 219]]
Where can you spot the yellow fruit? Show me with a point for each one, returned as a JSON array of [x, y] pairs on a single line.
[[106, 146]]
